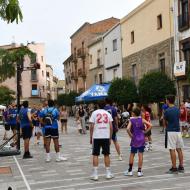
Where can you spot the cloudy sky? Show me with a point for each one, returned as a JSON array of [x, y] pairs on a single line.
[[53, 22]]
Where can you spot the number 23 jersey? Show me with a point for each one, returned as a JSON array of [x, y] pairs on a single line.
[[101, 120]]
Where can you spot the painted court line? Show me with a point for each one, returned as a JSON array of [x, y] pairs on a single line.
[[23, 176]]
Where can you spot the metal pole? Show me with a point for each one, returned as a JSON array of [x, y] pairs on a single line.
[[18, 104]]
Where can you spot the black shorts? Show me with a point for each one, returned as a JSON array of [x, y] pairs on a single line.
[[114, 136], [148, 134], [27, 132], [101, 143], [8, 127], [63, 120], [51, 133]]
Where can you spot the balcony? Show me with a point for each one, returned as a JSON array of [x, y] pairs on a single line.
[[183, 22], [81, 53], [74, 76], [80, 72], [74, 58]]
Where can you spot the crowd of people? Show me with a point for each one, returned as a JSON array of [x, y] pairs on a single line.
[[103, 120]]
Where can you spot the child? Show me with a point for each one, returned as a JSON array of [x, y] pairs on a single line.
[[79, 125], [183, 120], [136, 131], [146, 115]]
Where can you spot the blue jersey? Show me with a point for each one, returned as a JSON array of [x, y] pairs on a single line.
[[23, 116], [55, 114], [113, 113], [12, 115]]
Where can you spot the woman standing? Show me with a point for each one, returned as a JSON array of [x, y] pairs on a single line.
[[63, 119], [81, 113]]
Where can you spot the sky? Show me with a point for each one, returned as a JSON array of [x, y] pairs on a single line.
[[53, 22]]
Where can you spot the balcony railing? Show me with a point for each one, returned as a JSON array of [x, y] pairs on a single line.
[[82, 73], [183, 22], [81, 53], [74, 76]]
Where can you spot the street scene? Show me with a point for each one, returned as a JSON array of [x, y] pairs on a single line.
[[95, 95], [75, 173]]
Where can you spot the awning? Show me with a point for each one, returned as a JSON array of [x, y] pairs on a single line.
[[95, 92]]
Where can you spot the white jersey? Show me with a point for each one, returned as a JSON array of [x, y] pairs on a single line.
[[101, 120]]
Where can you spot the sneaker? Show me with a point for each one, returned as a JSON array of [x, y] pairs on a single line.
[[94, 177], [27, 156], [48, 159], [109, 175], [181, 169], [140, 174], [120, 158], [127, 173], [172, 171], [59, 159]]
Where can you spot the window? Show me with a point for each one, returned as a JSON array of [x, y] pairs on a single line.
[[90, 59], [132, 37], [33, 75], [134, 73], [162, 62], [115, 45], [34, 90], [186, 92], [34, 86], [42, 73], [42, 58], [100, 78], [159, 22], [114, 73], [106, 51], [95, 79], [47, 74], [99, 53]]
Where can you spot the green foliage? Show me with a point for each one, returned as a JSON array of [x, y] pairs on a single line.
[[67, 99], [6, 95], [123, 91], [9, 59], [153, 87], [10, 11]]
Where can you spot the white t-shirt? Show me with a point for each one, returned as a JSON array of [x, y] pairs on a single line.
[[187, 105], [125, 114], [101, 120]]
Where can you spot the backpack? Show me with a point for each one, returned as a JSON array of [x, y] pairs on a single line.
[[48, 118]]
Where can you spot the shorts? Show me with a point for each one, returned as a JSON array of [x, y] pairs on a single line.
[[101, 143], [38, 130], [175, 140], [63, 120], [12, 127], [51, 133], [114, 136], [134, 150], [148, 134], [27, 132]]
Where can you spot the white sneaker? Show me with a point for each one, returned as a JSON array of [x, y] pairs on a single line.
[[48, 159], [127, 173], [94, 177], [120, 158], [59, 159], [139, 174], [109, 175]]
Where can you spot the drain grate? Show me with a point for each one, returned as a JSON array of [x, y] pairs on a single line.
[[5, 170]]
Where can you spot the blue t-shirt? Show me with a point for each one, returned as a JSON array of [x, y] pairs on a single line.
[[12, 114], [55, 114], [23, 116], [113, 113], [172, 115], [165, 107]]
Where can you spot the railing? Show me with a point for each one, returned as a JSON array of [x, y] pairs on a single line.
[[81, 53], [183, 22]]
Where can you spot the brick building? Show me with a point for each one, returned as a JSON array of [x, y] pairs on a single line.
[[76, 67]]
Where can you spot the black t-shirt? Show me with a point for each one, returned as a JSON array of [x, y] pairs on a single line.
[[81, 113]]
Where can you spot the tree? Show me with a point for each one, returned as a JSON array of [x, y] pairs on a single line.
[[6, 95], [67, 99], [123, 91], [10, 11], [10, 58], [153, 87]]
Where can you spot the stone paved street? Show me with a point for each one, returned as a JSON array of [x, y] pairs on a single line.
[[74, 174]]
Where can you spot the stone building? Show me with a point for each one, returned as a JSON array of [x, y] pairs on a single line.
[[147, 40], [76, 67], [182, 47]]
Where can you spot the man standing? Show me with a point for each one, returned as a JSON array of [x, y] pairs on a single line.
[[112, 110], [100, 137], [174, 137], [49, 117]]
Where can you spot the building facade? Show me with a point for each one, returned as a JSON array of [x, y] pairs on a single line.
[[182, 47], [96, 62], [147, 40], [112, 53], [76, 67], [33, 82], [61, 87]]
